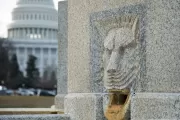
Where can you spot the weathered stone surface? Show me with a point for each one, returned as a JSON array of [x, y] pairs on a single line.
[[62, 55], [59, 101], [62, 47], [85, 70], [163, 46], [34, 117], [159, 55], [85, 106], [159, 98], [152, 106], [85, 51]]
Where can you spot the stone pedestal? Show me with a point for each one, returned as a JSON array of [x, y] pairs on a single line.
[[84, 106], [62, 55], [85, 57], [155, 90]]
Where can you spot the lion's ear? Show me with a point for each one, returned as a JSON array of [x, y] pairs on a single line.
[[135, 26]]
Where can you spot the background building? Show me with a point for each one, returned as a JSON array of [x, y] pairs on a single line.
[[33, 30]]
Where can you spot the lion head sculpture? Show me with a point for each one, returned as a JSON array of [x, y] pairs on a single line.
[[121, 65]]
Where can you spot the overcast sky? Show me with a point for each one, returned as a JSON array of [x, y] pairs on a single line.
[[6, 7]]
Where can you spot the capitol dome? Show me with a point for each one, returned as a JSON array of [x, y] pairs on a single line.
[[33, 30], [34, 19]]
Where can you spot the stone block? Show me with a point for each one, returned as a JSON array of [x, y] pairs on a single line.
[[162, 46], [34, 117], [85, 106], [59, 101], [155, 106]]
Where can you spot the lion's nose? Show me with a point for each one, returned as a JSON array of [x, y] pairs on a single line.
[[113, 63]]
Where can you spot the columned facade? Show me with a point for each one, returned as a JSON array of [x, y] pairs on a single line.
[[33, 31]]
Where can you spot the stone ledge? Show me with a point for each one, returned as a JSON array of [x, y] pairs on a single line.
[[59, 101], [18, 111], [34, 117], [155, 106], [84, 106]]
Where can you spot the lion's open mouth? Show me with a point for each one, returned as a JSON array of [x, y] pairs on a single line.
[[120, 97]]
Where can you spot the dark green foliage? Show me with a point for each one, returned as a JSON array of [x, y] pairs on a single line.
[[53, 78], [32, 72], [14, 67], [4, 59], [49, 79], [15, 77], [9, 73]]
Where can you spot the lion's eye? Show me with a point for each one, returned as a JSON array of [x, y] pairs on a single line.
[[121, 50], [109, 51]]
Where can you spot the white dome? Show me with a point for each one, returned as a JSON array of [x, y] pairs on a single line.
[[35, 2], [34, 13], [33, 19]]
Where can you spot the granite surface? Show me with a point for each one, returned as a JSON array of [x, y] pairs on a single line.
[[62, 47], [159, 35], [160, 98], [84, 75], [159, 106], [34, 117], [84, 106], [62, 55], [59, 101], [98, 33], [85, 72], [163, 46]]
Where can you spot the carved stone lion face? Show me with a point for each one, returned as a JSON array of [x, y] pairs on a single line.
[[121, 61], [121, 66]]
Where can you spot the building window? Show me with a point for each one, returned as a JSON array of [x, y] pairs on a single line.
[[26, 31], [37, 50], [35, 33], [35, 16], [45, 32], [43, 17], [27, 16], [23, 16], [35, 30], [53, 51], [39, 17]]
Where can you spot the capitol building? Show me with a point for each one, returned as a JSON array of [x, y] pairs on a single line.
[[33, 30]]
